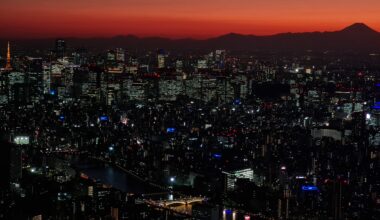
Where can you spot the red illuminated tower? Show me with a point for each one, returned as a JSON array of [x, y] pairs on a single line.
[[8, 65]]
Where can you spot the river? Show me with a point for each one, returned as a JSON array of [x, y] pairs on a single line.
[[117, 178], [112, 175]]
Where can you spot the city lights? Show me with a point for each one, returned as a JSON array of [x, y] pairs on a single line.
[[21, 140], [309, 188], [110, 121], [170, 130], [103, 118]]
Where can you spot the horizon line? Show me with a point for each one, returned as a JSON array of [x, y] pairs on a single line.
[[180, 38]]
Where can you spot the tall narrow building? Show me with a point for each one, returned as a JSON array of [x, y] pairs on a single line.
[[8, 66], [60, 48]]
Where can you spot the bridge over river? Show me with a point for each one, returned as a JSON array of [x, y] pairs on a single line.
[[181, 205], [153, 195]]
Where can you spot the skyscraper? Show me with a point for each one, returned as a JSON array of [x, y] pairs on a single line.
[[8, 66], [161, 58], [120, 55], [60, 48]]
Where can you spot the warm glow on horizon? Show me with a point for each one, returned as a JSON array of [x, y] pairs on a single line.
[[177, 19]]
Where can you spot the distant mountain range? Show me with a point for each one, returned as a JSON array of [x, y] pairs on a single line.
[[354, 38]]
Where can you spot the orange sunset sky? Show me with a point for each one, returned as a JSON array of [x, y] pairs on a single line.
[[179, 18]]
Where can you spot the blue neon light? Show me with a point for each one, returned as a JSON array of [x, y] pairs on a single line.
[[228, 211], [103, 118], [309, 188], [52, 92], [61, 117], [170, 130], [377, 84], [217, 156]]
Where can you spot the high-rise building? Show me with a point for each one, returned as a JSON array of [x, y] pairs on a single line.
[[169, 89], [161, 58], [179, 66], [202, 64], [220, 57], [46, 78], [8, 66], [111, 56], [60, 48], [120, 55], [232, 176], [80, 56], [161, 61]]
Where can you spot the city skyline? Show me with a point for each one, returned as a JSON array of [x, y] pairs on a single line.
[[171, 19], [177, 110]]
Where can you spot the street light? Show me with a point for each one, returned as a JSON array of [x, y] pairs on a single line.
[[368, 116]]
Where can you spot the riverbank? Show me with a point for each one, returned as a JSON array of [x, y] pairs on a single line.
[[131, 173], [110, 173]]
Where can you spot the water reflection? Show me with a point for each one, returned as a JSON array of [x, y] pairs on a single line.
[[118, 179], [187, 209], [113, 176]]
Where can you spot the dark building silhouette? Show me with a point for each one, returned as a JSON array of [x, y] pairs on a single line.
[[5, 160], [15, 169], [60, 48]]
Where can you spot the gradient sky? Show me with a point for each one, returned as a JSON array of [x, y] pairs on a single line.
[[179, 18]]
